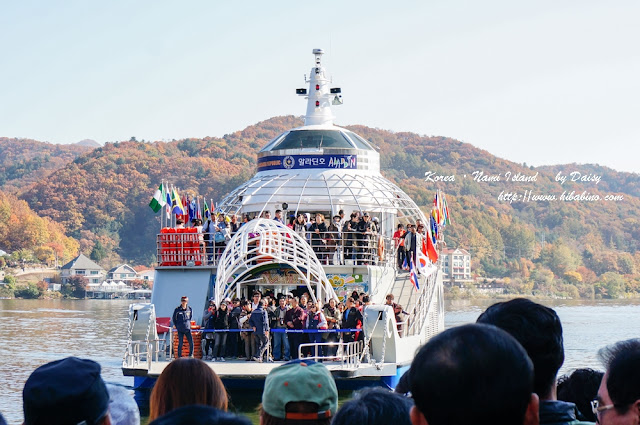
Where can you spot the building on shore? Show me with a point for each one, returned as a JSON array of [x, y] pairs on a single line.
[[456, 266], [83, 266], [122, 272], [146, 275]]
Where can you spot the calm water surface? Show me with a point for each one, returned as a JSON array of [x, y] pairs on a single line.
[[35, 332]]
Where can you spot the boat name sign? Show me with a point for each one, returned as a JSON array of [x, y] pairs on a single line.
[[307, 161]]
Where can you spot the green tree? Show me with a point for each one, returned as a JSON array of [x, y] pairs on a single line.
[[10, 281], [610, 285], [99, 252], [28, 292]]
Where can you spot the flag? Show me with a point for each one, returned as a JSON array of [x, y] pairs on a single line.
[[167, 196], [414, 277], [207, 212], [176, 203], [422, 260], [199, 211], [405, 265], [429, 249], [192, 209], [447, 218], [157, 202]]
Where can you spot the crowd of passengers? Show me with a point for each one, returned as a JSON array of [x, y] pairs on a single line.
[[501, 370], [261, 314], [339, 241]]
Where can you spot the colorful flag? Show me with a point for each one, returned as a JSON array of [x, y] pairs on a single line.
[[414, 277], [422, 259], [157, 202], [207, 213], [192, 209], [429, 249], [447, 218], [167, 196], [176, 203], [199, 211], [405, 265]]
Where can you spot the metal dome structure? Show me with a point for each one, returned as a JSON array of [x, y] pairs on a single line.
[[264, 244], [326, 191]]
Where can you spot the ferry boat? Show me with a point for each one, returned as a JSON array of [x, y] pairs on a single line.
[[316, 168]]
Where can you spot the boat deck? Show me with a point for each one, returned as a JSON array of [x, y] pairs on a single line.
[[242, 369]]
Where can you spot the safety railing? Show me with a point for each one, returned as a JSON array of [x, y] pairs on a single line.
[[348, 353], [142, 353], [189, 248]]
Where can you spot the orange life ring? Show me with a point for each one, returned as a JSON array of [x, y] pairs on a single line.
[[380, 249]]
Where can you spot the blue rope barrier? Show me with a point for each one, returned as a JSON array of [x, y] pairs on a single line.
[[279, 330]]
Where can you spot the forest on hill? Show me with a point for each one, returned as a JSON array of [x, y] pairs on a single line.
[[553, 247], [24, 162]]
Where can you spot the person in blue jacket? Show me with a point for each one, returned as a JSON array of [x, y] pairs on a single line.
[[182, 321], [259, 321]]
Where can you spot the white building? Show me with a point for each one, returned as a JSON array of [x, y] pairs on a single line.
[[82, 266], [123, 272], [146, 275], [456, 266]]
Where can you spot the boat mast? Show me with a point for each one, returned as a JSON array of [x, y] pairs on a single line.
[[320, 96]]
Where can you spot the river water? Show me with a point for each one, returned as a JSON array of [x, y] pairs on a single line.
[[35, 332]]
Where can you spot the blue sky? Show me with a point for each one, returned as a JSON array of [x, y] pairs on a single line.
[[542, 82]]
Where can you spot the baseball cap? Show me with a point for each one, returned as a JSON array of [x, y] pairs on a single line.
[[300, 380], [67, 391], [365, 214]]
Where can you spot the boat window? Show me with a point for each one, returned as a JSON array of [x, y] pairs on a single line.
[[359, 141], [313, 139], [273, 142]]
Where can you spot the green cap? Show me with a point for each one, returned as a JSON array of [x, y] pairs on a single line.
[[300, 380]]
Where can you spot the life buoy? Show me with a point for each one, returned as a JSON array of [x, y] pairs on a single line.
[[381, 249]]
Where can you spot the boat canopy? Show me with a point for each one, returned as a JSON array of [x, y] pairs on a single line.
[[330, 190], [262, 245]]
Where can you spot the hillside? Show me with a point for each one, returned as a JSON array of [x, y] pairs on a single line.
[[562, 247], [25, 233], [24, 161]]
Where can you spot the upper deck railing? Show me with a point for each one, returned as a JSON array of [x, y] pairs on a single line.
[[187, 247]]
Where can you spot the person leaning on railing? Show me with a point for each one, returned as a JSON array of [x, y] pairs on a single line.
[[208, 322], [317, 232], [316, 321], [334, 317], [350, 319], [294, 319], [350, 242]]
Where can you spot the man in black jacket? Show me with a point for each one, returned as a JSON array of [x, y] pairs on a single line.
[[182, 321], [350, 319], [234, 323], [259, 321]]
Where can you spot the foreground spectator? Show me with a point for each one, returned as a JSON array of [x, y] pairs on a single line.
[[184, 382], [580, 388], [67, 391], [374, 406], [472, 375], [299, 392], [200, 415], [618, 400], [123, 409], [539, 330]]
